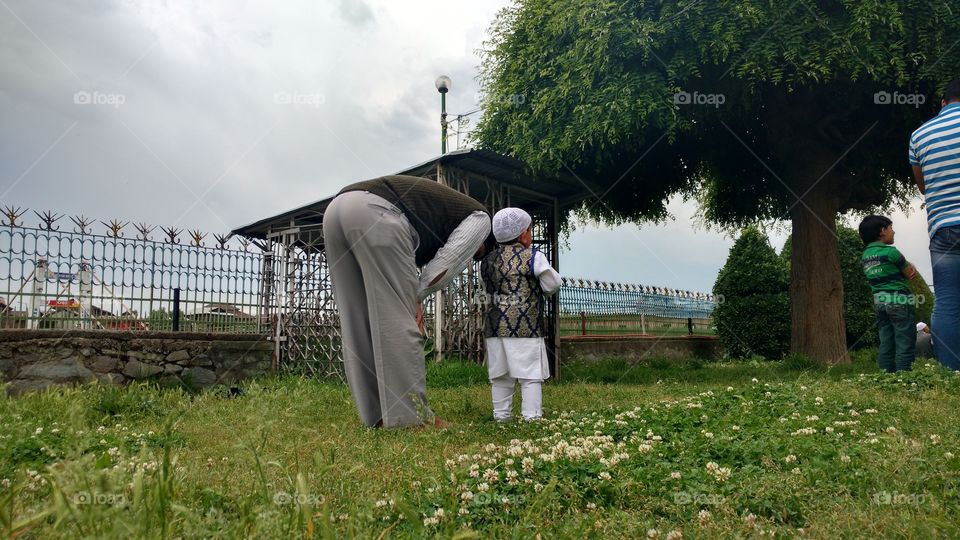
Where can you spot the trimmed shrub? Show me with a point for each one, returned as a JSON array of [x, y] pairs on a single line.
[[753, 311]]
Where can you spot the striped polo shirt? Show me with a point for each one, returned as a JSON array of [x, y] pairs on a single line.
[[935, 146], [883, 265]]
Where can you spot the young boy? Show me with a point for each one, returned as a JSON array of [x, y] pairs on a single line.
[[888, 271], [516, 277]]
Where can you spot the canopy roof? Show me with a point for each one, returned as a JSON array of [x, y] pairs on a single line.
[[480, 167]]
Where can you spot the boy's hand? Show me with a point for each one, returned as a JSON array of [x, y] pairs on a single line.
[[909, 271]]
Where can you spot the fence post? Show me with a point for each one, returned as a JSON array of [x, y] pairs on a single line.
[[176, 310], [583, 323], [690, 325], [643, 323]]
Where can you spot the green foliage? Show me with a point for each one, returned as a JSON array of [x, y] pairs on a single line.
[[753, 310], [599, 80], [925, 299]]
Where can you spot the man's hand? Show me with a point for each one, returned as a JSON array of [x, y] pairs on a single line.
[[420, 325], [918, 178]]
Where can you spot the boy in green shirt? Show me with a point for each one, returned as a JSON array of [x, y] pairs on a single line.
[[888, 271]]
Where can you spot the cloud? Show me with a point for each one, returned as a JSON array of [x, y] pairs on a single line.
[[215, 114], [356, 12]]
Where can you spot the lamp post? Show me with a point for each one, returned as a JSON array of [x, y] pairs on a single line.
[[443, 84]]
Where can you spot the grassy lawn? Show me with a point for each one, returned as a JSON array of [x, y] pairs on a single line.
[[655, 449]]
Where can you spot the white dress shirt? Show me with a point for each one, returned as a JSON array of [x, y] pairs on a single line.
[[456, 253]]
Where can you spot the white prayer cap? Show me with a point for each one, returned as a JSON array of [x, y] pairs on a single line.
[[921, 326], [509, 223]]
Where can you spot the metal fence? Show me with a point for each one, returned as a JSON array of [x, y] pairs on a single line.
[[63, 274], [51, 277], [601, 308]]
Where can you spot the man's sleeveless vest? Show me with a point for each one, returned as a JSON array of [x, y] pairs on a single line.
[[433, 210], [515, 298]]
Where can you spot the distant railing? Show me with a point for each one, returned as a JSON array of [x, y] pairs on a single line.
[[590, 307], [65, 279]]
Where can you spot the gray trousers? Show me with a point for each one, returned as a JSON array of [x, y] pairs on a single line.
[[370, 247]]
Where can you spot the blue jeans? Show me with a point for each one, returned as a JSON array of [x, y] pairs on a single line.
[[945, 326], [898, 336]]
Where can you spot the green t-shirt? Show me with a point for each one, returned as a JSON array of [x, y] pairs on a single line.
[[883, 265]]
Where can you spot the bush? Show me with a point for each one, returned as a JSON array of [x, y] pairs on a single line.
[[753, 309]]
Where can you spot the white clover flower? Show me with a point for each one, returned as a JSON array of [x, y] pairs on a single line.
[[750, 519], [828, 429], [813, 418], [604, 475], [735, 428], [38, 431], [704, 517], [790, 459], [935, 439], [675, 534], [723, 474], [438, 513], [948, 455], [463, 511], [845, 458], [483, 487], [871, 411], [653, 534], [796, 470], [675, 475], [538, 487], [891, 430], [591, 506], [874, 441], [768, 394]]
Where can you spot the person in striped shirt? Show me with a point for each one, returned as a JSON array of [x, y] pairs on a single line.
[[887, 272], [935, 157]]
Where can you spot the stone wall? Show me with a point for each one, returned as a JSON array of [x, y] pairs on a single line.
[[35, 359], [588, 348]]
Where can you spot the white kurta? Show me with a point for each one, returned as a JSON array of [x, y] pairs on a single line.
[[524, 358]]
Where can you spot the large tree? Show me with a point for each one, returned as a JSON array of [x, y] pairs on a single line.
[[760, 110]]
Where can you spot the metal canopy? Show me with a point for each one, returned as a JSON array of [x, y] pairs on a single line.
[[530, 192]]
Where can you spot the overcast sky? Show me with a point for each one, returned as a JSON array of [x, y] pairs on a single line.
[[215, 114]]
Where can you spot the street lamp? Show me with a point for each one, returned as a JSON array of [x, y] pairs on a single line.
[[443, 84]]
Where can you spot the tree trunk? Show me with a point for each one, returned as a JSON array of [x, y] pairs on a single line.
[[816, 286]]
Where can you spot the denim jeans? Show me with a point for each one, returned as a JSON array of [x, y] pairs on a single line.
[[898, 336], [945, 326]]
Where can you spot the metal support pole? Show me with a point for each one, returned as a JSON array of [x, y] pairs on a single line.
[[38, 296], [438, 296], [176, 309]]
